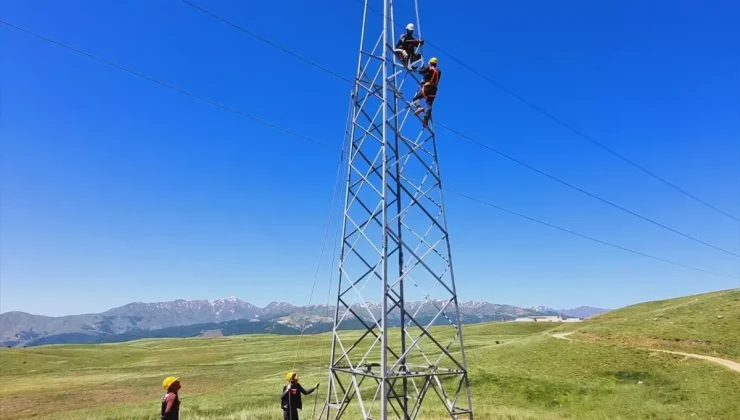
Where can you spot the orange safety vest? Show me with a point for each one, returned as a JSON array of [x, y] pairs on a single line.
[[434, 80]]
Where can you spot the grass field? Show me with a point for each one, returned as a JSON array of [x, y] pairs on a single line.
[[704, 324], [529, 376]]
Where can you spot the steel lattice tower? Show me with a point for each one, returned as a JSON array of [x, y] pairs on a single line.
[[396, 279]]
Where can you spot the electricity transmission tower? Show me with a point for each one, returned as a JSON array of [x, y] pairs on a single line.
[[396, 279]]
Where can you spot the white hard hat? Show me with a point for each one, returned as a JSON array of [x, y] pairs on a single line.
[[410, 27]]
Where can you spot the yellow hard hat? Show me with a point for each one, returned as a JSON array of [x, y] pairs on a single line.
[[168, 381], [433, 60], [291, 375]]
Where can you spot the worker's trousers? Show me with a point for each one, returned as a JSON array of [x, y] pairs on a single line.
[[289, 414], [406, 56]]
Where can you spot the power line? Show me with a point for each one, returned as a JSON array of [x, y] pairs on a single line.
[[266, 41], [603, 200], [567, 126], [590, 238], [169, 86], [479, 143], [593, 141], [278, 127]]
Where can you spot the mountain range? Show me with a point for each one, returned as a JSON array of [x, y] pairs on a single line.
[[230, 316]]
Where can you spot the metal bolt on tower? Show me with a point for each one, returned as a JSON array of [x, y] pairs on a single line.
[[396, 279]]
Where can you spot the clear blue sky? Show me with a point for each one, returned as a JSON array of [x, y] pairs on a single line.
[[114, 189]]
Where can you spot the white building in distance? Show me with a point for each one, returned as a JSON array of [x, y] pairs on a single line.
[[546, 318]]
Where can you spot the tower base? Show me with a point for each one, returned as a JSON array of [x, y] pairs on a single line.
[[419, 381]]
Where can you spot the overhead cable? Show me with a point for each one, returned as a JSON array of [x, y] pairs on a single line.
[[468, 138], [566, 125], [298, 135]]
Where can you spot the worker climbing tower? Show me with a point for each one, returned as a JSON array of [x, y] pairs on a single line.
[[407, 361]]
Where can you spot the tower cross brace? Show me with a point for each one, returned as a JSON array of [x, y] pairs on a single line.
[[397, 336]]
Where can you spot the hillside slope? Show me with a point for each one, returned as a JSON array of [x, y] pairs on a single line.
[[707, 324], [517, 372]]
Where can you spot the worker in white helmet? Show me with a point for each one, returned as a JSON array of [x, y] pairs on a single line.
[[406, 48]]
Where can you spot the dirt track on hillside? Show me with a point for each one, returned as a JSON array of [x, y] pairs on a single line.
[[724, 362]]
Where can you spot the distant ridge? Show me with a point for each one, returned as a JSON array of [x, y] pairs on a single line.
[[583, 311], [188, 318]]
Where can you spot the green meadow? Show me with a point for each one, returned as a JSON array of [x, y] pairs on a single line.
[[518, 370]]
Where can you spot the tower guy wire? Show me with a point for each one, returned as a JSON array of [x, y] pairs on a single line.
[[317, 142], [472, 140], [321, 258]]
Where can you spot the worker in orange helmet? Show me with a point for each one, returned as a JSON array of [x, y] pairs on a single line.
[[428, 89], [171, 401], [290, 399]]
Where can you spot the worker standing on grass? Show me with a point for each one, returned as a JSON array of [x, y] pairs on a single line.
[[170, 401], [290, 400]]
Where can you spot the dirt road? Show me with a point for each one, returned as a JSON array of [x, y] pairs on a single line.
[[563, 336], [724, 362]]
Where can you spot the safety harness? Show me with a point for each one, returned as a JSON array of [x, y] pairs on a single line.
[[433, 81]]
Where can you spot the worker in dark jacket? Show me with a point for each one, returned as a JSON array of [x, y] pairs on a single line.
[[171, 401], [406, 48], [428, 89], [290, 399]]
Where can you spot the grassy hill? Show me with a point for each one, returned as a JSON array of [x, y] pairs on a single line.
[[707, 324], [530, 375]]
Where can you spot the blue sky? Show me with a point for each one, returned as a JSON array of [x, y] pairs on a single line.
[[114, 189]]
